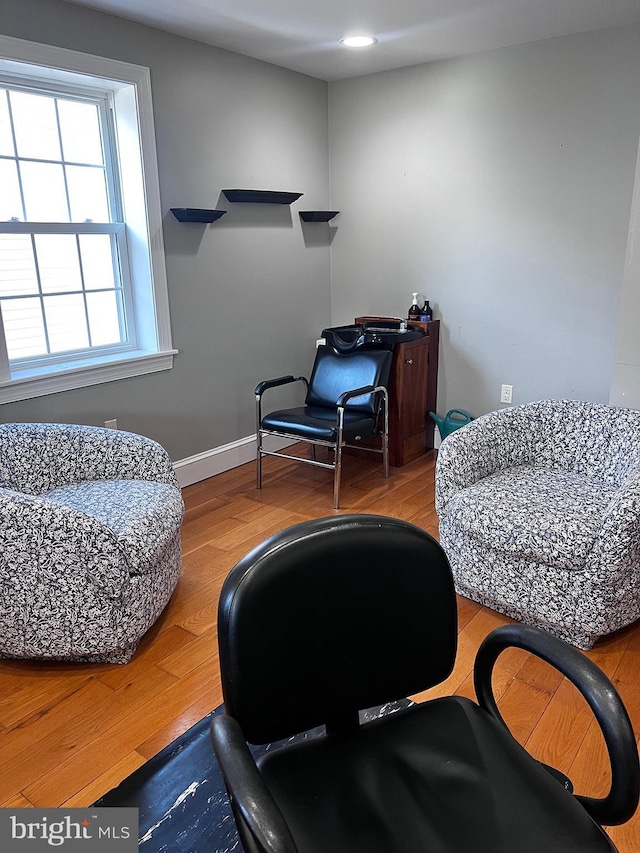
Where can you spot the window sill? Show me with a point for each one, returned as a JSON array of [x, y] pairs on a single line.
[[24, 385]]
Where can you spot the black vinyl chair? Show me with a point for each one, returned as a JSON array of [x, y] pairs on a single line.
[[341, 614], [346, 401]]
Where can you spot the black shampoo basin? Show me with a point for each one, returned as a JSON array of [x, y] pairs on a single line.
[[385, 334]]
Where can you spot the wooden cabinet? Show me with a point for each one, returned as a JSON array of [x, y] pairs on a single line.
[[413, 386]]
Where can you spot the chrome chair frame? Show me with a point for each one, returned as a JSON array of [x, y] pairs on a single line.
[[337, 446]]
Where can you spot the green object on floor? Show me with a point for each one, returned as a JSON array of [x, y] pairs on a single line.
[[454, 419]]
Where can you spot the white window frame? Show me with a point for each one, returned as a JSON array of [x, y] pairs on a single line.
[[133, 118]]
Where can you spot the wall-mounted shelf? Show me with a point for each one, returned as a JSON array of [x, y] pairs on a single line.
[[261, 196], [318, 215], [196, 214]]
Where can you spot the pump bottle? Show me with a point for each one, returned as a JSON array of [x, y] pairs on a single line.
[[414, 309], [426, 312]]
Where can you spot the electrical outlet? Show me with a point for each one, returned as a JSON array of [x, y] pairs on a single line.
[[506, 393], [113, 424]]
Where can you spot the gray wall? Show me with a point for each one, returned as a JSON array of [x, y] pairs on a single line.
[[499, 185], [625, 384], [248, 294]]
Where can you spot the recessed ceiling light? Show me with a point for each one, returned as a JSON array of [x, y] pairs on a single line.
[[358, 41]]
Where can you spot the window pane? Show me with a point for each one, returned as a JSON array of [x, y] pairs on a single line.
[[6, 139], [58, 262], [80, 131], [87, 194], [10, 204], [44, 194], [23, 327], [66, 322], [97, 261], [17, 266], [36, 126], [104, 318]]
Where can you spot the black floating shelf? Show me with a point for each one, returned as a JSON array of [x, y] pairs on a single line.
[[318, 215], [261, 196], [196, 214]]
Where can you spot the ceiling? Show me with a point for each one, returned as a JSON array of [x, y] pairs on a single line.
[[304, 35]]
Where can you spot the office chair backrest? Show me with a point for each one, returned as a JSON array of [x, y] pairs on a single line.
[[334, 373], [332, 616]]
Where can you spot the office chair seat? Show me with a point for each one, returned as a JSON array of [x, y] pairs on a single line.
[[318, 423], [442, 777]]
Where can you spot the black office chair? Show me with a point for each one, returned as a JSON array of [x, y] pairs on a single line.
[[341, 614], [346, 401]]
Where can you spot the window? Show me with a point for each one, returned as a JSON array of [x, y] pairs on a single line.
[[82, 282], [62, 291]]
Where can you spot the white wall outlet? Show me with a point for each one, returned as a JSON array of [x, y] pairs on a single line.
[[113, 424], [506, 393]]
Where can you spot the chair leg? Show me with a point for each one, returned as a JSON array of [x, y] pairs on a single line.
[[258, 441], [259, 461], [337, 459], [336, 475], [385, 437], [385, 455]]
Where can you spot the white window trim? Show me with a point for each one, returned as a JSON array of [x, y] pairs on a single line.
[[155, 350]]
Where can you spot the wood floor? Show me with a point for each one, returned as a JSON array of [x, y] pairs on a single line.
[[71, 732]]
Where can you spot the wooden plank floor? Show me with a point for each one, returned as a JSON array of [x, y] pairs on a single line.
[[70, 732]]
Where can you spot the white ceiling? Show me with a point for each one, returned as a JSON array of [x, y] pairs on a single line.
[[304, 35]]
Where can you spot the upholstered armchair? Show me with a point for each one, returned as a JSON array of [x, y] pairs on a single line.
[[539, 509], [89, 540]]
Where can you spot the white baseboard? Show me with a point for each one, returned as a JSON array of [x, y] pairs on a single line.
[[218, 459]]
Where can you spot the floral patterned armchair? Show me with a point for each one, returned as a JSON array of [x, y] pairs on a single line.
[[89, 540], [539, 509]]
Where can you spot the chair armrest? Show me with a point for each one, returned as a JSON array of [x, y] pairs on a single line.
[[491, 443], [250, 798], [261, 387], [344, 398], [131, 456], [44, 545], [622, 800], [618, 543]]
